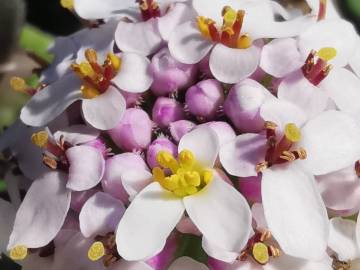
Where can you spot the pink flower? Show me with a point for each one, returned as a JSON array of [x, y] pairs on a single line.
[[166, 111]]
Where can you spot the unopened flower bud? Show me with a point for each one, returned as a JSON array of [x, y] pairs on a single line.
[[100, 145], [169, 74], [243, 103], [204, 99], [166, 111], [134, 130], [160, 144], [224, 131], [180, 128], [131, 99]]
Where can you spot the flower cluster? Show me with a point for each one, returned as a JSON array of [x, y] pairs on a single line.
[[175, 134]]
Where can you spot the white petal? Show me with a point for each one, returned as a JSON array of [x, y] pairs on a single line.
[[203, 143], [141, 37], [134, 75], [187, 45], [220, 254], [240, 157], [135, 180], [294, 211], [230, 65], [77, 134], [221, 213], [125, 265], [331, 141], [342, 238], [187, 263], [104, 111], [7, 212], [42, 212], [257, 211], [51, 101], [355, 60], [343, 88], [285, 262], [86, 169], [100, 9], [146, 224], [338, 34], [100, 215], [296, 89]]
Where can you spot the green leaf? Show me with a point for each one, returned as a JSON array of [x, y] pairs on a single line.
[[190, 246], [354, 6]]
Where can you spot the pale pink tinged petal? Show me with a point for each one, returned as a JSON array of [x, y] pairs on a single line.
[[100, 215], [296, 89], [187, 226], [7, 212], [139, 37], [339, 34], [42, 212], [100, 9], [250, 188], [240, 157], [258, 215], [51, 101], [56, 71], [148, 221], [86, 169], [134, 75], [188, 264], [77, 134], [187, 45], [280, 57], [358, 231], [79, 198], [116, 168], [105, 111], [340, 190], [162, 260], [74, 255], [135, 180], [295, 212], [176, 15], [223, 130], [354, 61], [203, 143], [331, 141], [342, 238], [230, 65], [247, 265], [213, 207], [285, 262], [282, 112], [214, 251], [125, 265], [342, 86]]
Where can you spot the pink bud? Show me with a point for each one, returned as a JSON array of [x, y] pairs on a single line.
[[243, 103], [160, 144], [79, 198], [180, 128], [131, 99], [250, 187], [134, 130], [204, 99], [169, 74], [166, 111], [100, 145]]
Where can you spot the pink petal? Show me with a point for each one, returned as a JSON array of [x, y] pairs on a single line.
[[77, 134]]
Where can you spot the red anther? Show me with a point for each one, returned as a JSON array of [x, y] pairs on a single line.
[[322, 10], [214, 33], [109, 72], [357, 168]]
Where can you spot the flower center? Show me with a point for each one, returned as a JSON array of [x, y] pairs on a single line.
[[183, 176], [279, 152], [96, 78], [149, 9], [316, 66], [104, 248], [229, 33], [259, 250], [19, 253]]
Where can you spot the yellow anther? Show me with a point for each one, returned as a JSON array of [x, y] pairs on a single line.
[[91, 55], [192, 178], [96, 251], [207, 176], [86, 70], [18, 84], [260, 252], [19, 253], [186, 158], [158, 174], [69, 4], [190, 190], [229, 30], [89, 92], [40, 138], [167, 160], [244, 42], [292, 133], [180, 192], [229, 16], [327, 53], [115, 61], [203, 25], [172, 182], [144, 5]]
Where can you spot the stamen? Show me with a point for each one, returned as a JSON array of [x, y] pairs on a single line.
[[149, 9], [89, 92], [40, 139], [262, 166], [357, 168], [68, 4], [322, 10], [91, 55], [244, 42], [327, 53], [96, 251], [292, 133], [274, 252], [260, 253], [19, 253]]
